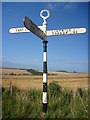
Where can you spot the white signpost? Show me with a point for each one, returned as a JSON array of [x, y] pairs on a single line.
[[66, 31], [22, 30], [51, 32], [43, 33]]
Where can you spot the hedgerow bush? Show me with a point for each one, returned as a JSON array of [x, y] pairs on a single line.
[[61, 103], [34, 72]]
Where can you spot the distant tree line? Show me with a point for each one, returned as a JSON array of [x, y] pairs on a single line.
[[34, 72]]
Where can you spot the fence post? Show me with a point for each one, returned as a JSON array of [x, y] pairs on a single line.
[[11, 88]]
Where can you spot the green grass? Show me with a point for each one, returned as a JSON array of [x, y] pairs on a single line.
[[61, 103]]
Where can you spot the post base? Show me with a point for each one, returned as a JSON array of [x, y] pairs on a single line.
[[44, 107]]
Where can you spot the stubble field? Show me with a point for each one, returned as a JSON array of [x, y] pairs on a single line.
[[25, 80]]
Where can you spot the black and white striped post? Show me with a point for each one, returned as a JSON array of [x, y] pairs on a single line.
[[45, 60], [45, 76]]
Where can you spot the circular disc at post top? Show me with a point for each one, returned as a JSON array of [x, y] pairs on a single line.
[[44, 17]]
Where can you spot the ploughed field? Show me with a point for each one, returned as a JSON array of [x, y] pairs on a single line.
[[24, 80]]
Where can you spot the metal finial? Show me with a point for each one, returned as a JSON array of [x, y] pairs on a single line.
[[44, 17]]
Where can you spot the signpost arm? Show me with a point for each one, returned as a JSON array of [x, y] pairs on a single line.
[[21, 30], [70, 31]]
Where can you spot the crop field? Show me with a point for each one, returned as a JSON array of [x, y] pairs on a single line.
[[25, 80], [67, 94], [15, 71]]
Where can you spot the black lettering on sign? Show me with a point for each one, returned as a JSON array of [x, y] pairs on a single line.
[[66, 31], [55, 32], [61, 31], [74, 31], [58, 32], [52, 33]]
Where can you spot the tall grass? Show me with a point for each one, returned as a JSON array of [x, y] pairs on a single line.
[[61, 103]]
